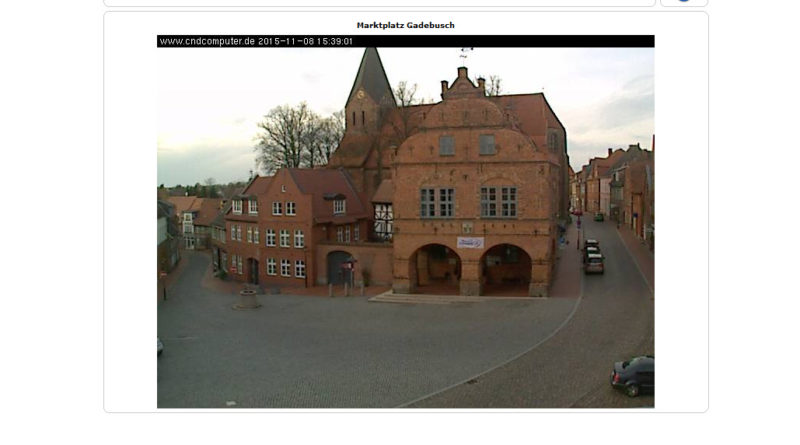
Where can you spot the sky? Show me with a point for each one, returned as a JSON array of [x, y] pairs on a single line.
[[210, 100]]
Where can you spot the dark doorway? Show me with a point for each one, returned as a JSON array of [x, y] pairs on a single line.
[[337, 273], [252, 271]]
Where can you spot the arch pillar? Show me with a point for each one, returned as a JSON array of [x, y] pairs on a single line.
[[539, 275], [470, 284]]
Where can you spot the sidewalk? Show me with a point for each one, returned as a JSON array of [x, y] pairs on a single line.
[[171, 278], [567, 276], [643, 257], [233, 287]]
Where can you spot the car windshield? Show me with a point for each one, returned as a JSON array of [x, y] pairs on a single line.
[[595, 260]]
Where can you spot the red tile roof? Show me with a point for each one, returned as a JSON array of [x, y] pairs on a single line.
[[321, 182], [385, 192], [185, 203], [209, 209]]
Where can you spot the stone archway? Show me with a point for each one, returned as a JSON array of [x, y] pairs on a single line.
[[337, 274], [435, 269], [505, 270]]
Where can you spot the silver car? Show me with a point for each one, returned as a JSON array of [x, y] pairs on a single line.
[[594, 264]]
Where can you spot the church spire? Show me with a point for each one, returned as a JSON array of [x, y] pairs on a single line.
[[371, 81]]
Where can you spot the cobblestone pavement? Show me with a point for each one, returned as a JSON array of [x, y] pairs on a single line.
[[319, 352], [613, 321]]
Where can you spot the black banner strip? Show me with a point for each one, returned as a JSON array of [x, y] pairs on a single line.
[[405, 41]]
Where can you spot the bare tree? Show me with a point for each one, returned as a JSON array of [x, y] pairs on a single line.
[[406, 96], [282, 140], [297, 137], [494, 87]]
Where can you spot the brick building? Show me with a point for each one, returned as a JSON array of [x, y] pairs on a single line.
[[296, 229], [194, 219], [467, 195]]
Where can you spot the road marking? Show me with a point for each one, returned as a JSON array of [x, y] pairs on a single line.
[[476, 376], [636, 263]]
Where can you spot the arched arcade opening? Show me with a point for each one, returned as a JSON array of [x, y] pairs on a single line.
[[505, 270], [435, 269]]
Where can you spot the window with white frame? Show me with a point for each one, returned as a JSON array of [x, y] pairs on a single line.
[[347, 234], [446, 198], [285, 268], [299, 239], [255, 235], [252, 207], [272, 268], [498, 202], [249, 234], [284, 238], [233, 263], [300, 269], [238, 232], [233, 232], [239, 264], [277, 208], [270, 237], [237, 206], [290, 208], [339, 234], [356, 232], [509, 202], [338, 207]]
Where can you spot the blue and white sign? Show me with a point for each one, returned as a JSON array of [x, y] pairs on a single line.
[[465, 242]]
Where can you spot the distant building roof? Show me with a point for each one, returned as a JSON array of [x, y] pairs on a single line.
[[185, 203], [209, 209], [385, 192]]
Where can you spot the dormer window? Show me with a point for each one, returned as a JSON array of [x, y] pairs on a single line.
[[252, 207], [237, 206], [338, 207]]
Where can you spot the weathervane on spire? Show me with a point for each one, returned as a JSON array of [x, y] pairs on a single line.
[[464, 53]]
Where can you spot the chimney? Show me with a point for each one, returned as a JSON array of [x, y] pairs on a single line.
[[482, 84], [444, 86], [610, 151], [462, 72]]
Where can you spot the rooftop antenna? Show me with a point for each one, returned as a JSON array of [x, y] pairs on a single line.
[[463, 55]]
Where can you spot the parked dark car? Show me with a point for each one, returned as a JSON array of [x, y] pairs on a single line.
[[635, 375], [599, 217], [590, 242], [589, 251]]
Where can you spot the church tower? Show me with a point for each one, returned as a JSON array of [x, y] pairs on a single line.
[[369, 106], [371, 96]]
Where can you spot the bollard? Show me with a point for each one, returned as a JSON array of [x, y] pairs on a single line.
[[346, 290], [330, 290], [362, 288]]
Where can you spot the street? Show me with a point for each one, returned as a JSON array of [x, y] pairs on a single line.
[[318, 352]]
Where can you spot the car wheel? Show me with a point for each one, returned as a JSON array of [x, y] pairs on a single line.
[[632, 389]]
